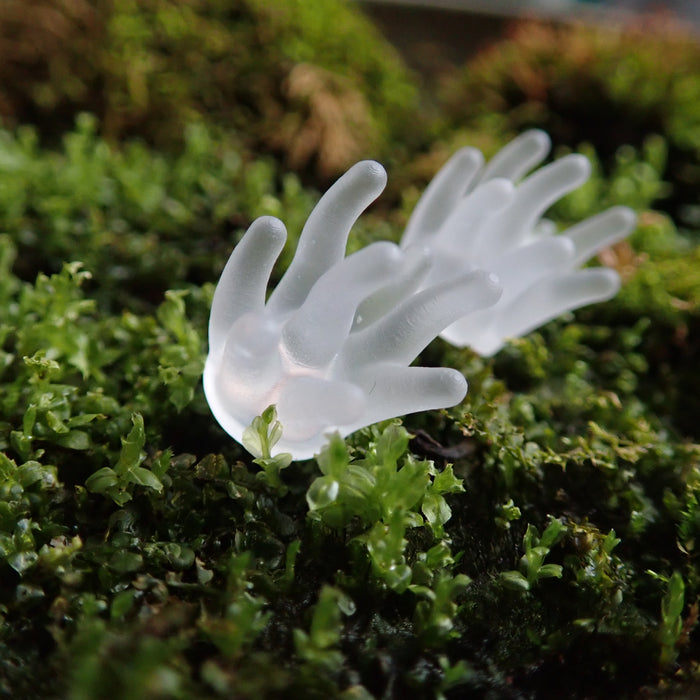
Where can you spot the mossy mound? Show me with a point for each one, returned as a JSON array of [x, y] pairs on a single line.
[[315, 84], [139, 220], [540, 540], [143, 554]]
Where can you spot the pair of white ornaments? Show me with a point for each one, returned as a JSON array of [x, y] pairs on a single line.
[[477, 264]]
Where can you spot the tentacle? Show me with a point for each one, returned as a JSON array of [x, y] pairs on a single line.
[[519, 271], [552, 297], [534, 195], [400, 335], [476, 330], [393, 390], [323, 240], [544, 228], [241, 288], [592, 235], [462, 227], [317, 331], [415, 266], [444, 191], [518, 157], [521, 268]]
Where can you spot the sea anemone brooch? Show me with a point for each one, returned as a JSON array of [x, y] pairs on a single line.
[[332, 346]]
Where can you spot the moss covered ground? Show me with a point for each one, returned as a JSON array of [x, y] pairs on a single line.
[[537, 541]]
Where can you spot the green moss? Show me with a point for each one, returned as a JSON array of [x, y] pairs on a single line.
[[314, 83], [144, 554], [541, 538], [139, 220]]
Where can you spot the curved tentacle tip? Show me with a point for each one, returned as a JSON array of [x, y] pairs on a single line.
[[623, 219], [489, 286], [579, 168], [451, 386], [269, 228], [538, 138], [368, 174], [467, 158]]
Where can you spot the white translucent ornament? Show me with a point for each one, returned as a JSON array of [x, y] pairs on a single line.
[[331, 347], [474, 216]]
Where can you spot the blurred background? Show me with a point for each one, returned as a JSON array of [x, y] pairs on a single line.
[[318, 87], [455, 29]]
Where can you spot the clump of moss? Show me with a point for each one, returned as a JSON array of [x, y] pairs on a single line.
[[539, 539], [140, 220], [315, 84], [539, 536]]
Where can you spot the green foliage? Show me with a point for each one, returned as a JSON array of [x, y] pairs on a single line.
[[154, 663], [386, 545], [180, 364], [149, 68], [434, 617], [115, 482], [506, 548], [507, 513], [671, 624], [385, 495], [634, 179], [139, 221], [319, 646], [259, 438], [245, 616], [380, 485], [135, 535], [600, 567], [532, 567]]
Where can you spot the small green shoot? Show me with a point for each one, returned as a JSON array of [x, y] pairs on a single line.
[[181, 362], [507, 513], [319, 645], [246, 615], [388, 480], [386, 545], [435, 615], [259, 438], [453, 675], [117, 482], [532, 567], [671, 624], [388, 492]]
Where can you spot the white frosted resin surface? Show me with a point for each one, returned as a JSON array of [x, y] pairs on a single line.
[[332, 345], [474, 216]]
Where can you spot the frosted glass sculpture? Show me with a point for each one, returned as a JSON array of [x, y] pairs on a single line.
[[478, 264], [331, 347], [474, 216]]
